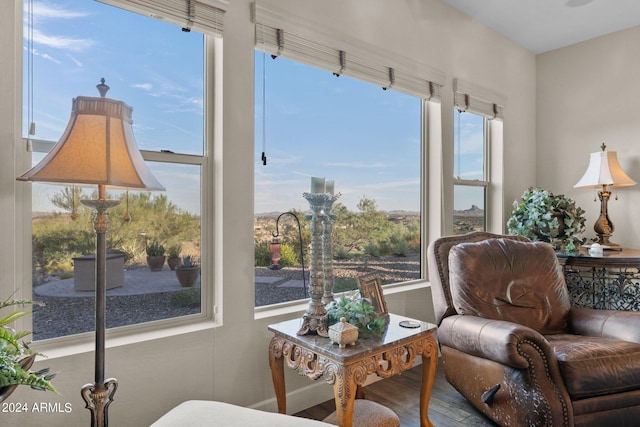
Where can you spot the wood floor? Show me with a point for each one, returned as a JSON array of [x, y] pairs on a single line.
[[447, 408]]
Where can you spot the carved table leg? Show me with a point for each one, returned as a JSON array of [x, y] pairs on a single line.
[[429, 363], [276, 363], [360, 392], [344, 390]]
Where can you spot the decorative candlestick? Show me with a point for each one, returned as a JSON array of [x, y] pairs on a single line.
[[327, 252], [321, 268]]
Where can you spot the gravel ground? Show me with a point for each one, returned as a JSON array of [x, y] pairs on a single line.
[[66, 316]]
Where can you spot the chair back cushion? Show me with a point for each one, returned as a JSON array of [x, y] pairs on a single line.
[[438, 260], [503, 279]]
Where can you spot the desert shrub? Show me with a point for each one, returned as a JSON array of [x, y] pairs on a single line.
[[372, 249], [385, 247], [186, 298], [340, 252], [401, 248], [288, 255], [261, 253]]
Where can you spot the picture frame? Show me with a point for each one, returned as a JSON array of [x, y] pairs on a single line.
[[371, 289]]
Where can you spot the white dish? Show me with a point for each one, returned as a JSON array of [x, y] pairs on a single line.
[[602, 246]]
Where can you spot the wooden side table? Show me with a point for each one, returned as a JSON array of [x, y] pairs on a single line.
[[347, 369], [611, 281]]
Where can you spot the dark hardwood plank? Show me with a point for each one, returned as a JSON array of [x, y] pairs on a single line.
[[401, 393]]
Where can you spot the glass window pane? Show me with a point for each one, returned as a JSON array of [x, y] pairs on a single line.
[[368, 142], [469, 146], [64, 253], [159, 72], [469, 209]]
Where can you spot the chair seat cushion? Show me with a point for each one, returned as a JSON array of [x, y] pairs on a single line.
[[595, 366], [367, 413]]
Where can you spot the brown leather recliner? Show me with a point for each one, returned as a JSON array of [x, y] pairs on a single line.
[[515, 348]]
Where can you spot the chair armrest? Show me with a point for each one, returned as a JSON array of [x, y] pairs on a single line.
[[622, 325], [504, 342]]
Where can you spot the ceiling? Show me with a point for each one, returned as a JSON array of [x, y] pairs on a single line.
[[543, 25]]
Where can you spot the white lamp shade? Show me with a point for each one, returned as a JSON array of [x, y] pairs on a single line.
[[604, 169], [97, 147]]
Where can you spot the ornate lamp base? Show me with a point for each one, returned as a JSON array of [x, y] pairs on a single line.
[[603, 226], [97, 398]]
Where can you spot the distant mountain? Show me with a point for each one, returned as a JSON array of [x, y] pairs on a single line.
[[401, 212], [474, 210], [274, 214]]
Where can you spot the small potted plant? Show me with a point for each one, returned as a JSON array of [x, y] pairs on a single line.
[[358, 312], [155, 256], [173, 256], [188, 272], [16, 357], [544, 216]]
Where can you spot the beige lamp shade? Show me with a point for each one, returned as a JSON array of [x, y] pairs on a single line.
[[97, 147], [604, 169]]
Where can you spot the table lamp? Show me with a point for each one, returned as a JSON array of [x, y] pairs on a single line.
[[97, 148], [603, 172]]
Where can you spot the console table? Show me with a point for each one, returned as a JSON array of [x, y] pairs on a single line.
[[347, 368], [611, 281]]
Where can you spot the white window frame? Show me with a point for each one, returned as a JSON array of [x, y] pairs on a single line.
[[490, 104], [211, 191], [279, 32], [482, 183]]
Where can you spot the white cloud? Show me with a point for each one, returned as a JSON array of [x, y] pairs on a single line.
[[46, 56], [61, 42], [76, 61], [48, 10], [143, 86]]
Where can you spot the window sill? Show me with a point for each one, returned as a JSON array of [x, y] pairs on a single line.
[[300, 306], [123, 336]]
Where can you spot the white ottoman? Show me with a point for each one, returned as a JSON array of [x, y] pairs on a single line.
[[205, 413]]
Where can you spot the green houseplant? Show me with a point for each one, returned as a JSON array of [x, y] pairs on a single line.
[[155, 255], [359, 312], [173, 256], [16, 357], [188, 272], [543, 216]]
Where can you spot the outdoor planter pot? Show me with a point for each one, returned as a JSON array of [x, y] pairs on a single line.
[[174, 262], [187, 276], [155, 263]]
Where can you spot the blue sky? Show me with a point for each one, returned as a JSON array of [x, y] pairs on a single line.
[[158, 72], [364, 138]]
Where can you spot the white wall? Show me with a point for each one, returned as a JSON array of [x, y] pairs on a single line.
[[229, 362], [588, 94]]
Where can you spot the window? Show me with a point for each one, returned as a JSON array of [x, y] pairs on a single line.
[[69, 46], [470, 175], [334, 107], [368, 140], [478, 141]]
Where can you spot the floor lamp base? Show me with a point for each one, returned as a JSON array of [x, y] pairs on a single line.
[[97, 398]]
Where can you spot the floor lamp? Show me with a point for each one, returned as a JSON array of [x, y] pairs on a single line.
[[97, 148], [603, 172]]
